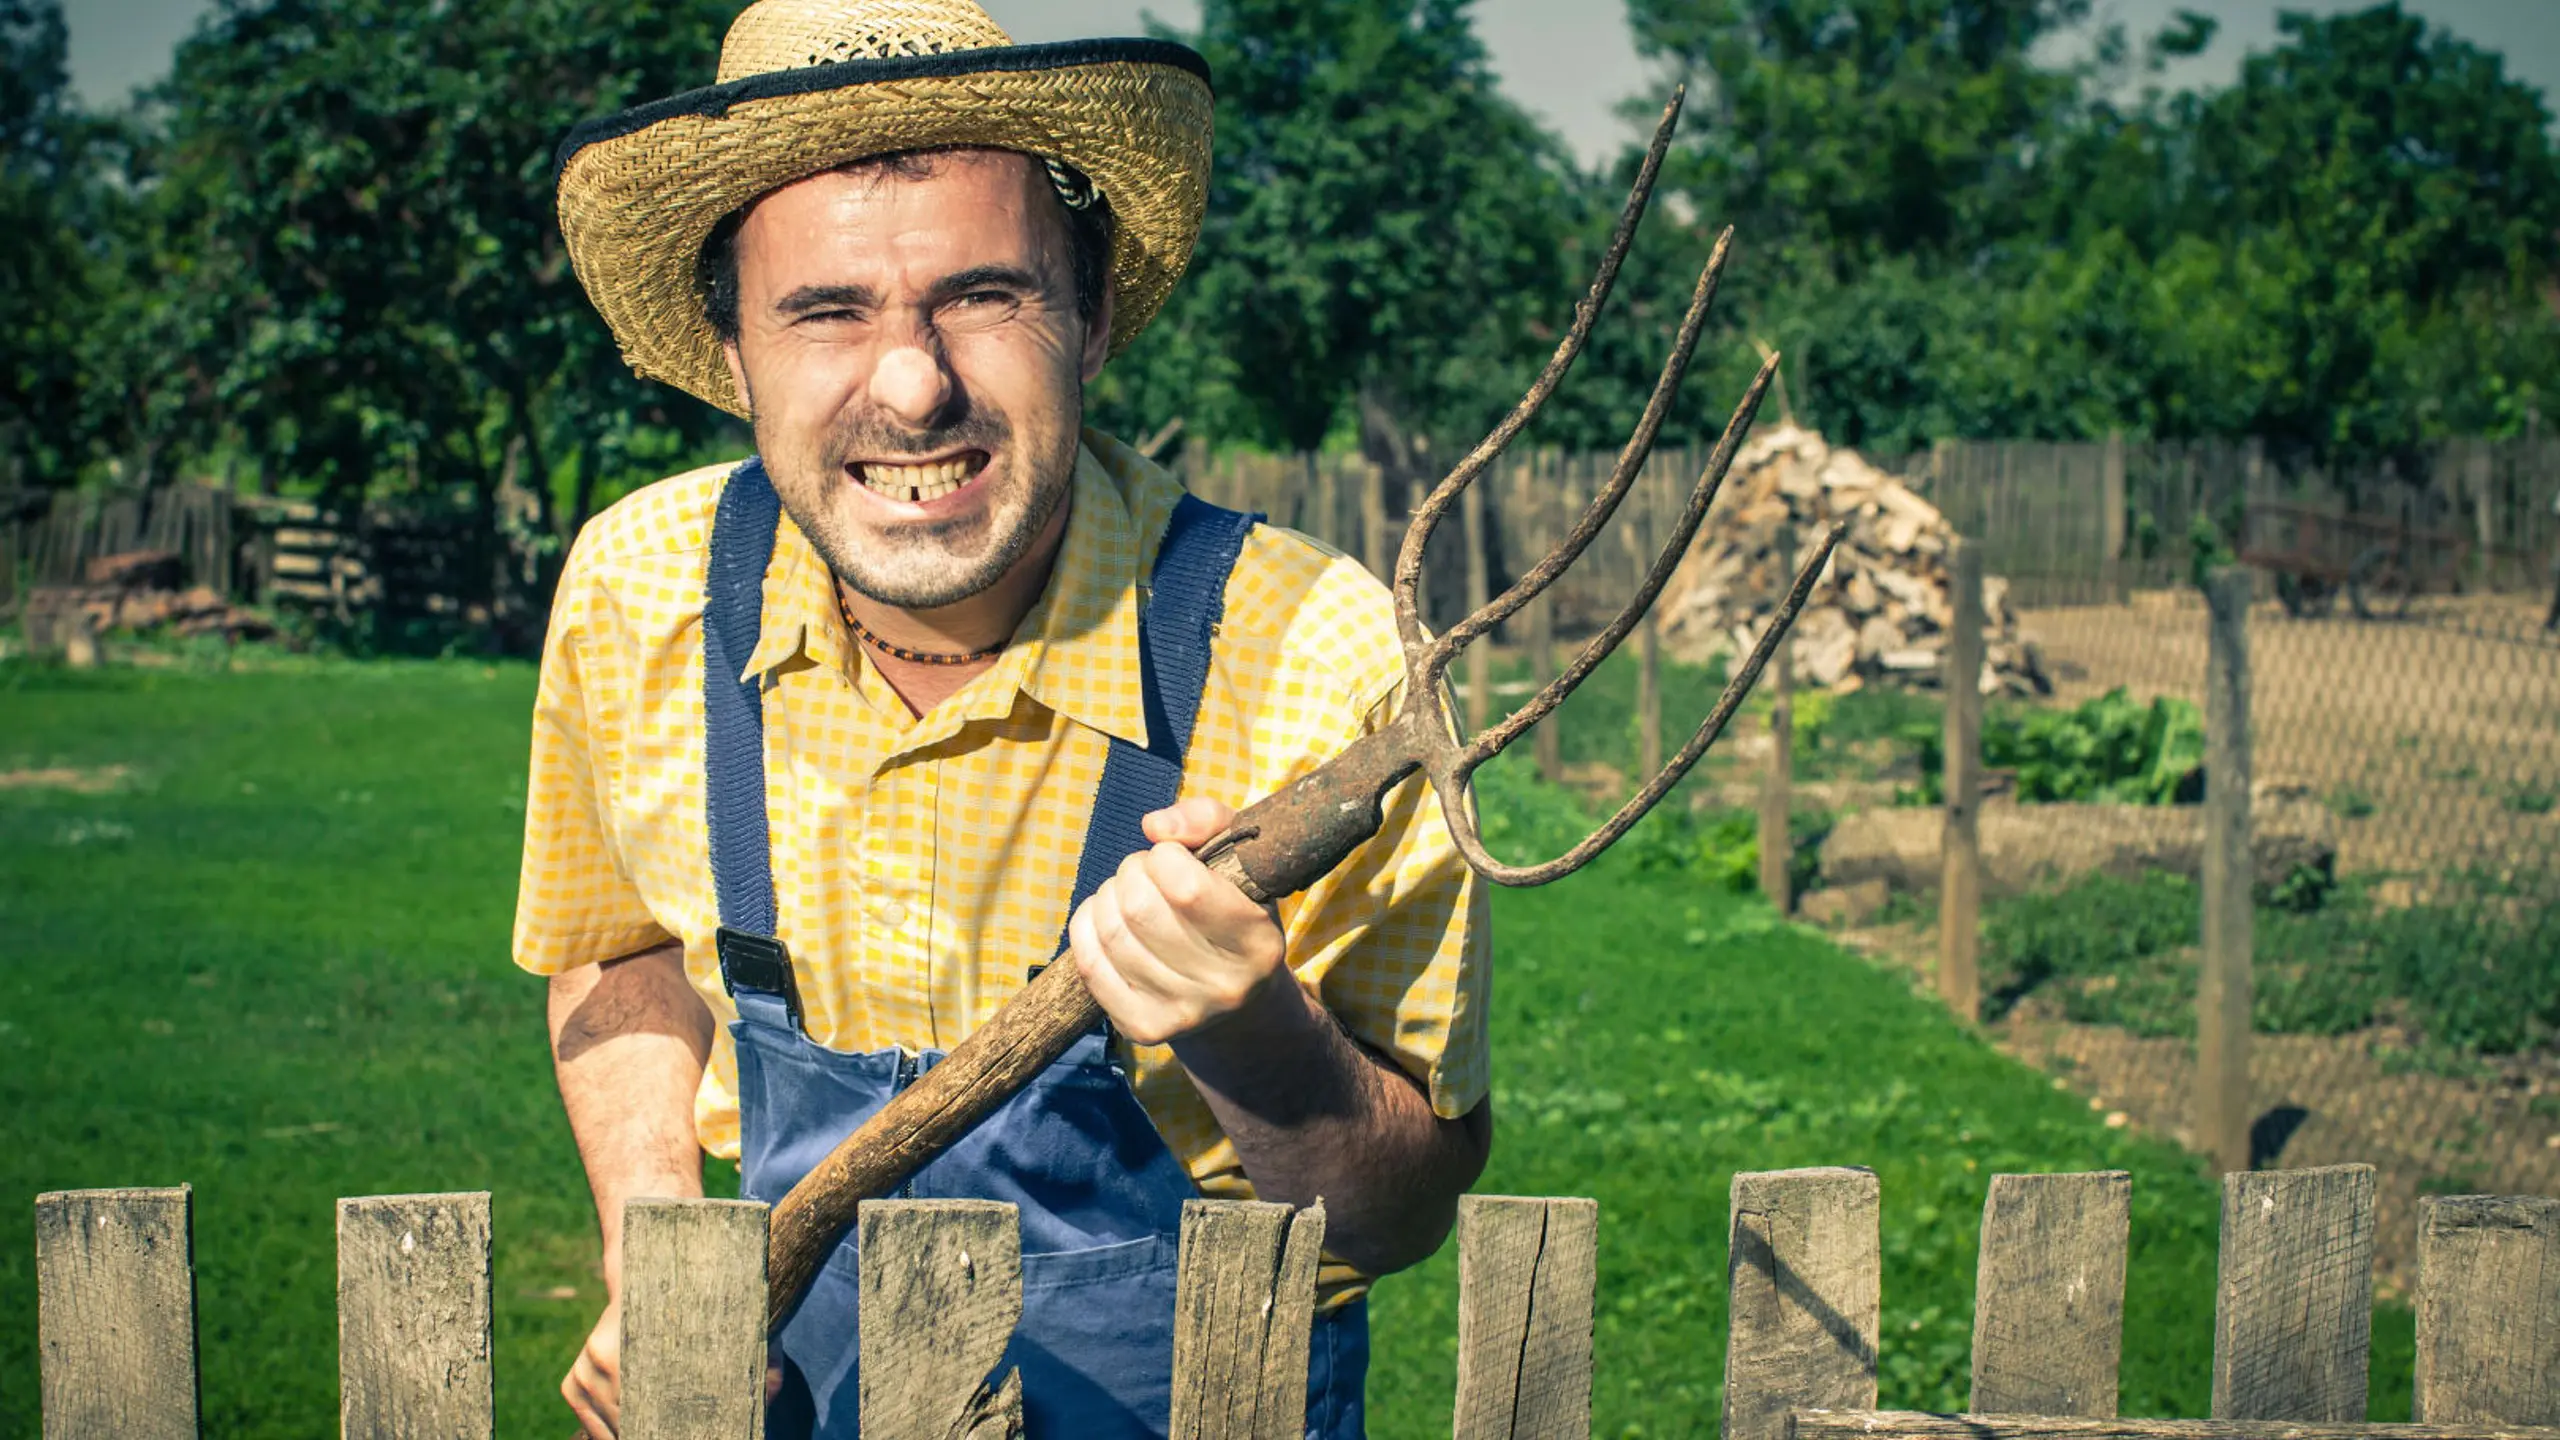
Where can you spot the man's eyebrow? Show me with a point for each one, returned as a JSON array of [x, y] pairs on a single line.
[[988, 277], [828, 297]]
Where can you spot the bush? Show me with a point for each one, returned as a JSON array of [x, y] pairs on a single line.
[[2109, 749]]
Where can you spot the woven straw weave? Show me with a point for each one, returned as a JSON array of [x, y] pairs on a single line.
[[636, 209], [794, 34]]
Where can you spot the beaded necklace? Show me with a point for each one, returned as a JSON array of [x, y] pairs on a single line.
[[914, 657]]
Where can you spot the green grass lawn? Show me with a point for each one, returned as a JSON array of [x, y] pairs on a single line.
[[273, 965]]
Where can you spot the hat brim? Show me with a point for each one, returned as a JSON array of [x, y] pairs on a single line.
[[641, 191]]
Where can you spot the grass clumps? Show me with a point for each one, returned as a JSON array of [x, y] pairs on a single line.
[[1716, 848], [2470, 976], [273, 963]]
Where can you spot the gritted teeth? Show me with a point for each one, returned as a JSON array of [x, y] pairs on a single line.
[[918, 483]]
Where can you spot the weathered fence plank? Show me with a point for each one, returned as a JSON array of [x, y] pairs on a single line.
[[1241, 1316], [2293, 1319], [1805, 1279], [2048, 1308], [413, 1318], [116, 1314], [1916, 1425], [941, 1293], [693, 1298], [2489, 1311], [1960, 852], [1527, 1273]]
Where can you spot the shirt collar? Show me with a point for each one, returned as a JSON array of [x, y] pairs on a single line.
[[801, 619], [1076, 652], [1083, 659]]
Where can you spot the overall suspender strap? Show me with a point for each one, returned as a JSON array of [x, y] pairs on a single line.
[[733, 738], [1184, 605], [1175, 628]]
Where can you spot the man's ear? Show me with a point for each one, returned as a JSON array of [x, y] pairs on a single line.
[[1097, 335], [738, 374]]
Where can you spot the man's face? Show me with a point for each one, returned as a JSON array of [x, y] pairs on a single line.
[[911, 350]]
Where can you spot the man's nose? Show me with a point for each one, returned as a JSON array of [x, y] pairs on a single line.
[[912, 384]]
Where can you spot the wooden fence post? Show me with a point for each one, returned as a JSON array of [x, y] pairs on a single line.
[[2488, 1311], [2048, 1299], [1527, 1273], [1243, 1308], [2222, 1099], [693, 1337], [2293, 1313], [1328, 503], [941, 1293], [1375, 552], [1777, 787], [1543, 471], [1644, 527], [1805, 1281], [116, 1314], [2111, 517], [1960, 854], [1479, 590], [413, 1318]]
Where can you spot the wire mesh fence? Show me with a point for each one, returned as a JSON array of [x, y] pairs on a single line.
[[2404, 718]]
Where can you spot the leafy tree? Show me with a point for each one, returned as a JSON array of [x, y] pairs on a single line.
[[1383, 235], [363, 187], [1844, 132], [44, 269], [2402, 181]]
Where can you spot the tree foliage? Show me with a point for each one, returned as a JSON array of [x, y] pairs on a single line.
[[323, 250], [45, 270], [1381, 245]]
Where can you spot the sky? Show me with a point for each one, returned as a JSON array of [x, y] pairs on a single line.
[[1551, 55]]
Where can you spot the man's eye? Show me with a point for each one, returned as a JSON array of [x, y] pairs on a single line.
[[986, 298]]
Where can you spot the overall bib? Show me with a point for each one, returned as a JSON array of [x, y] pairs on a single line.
[[1100, 1195]]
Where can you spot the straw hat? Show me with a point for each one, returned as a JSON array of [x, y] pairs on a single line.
[[807, 85]]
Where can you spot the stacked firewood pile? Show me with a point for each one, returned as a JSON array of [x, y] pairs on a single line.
[[138, 590], [1881, 613]]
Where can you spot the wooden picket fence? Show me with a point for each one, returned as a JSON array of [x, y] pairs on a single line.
[[2292, 1319]]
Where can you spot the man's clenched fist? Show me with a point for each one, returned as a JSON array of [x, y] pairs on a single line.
[[1169, 948]]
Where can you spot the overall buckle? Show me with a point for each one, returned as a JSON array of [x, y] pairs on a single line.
[[758, 962]]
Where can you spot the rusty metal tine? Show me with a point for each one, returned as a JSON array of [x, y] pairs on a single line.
[[1452, 784], [1407, 580], [1665, 561], [1666, 391]]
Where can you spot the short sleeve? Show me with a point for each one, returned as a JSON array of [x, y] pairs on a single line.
[[1394, 940], [575, 902]]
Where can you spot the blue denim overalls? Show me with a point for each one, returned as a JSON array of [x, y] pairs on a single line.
[[1099, 1194]]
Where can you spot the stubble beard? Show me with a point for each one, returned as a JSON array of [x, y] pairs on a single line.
[[924, 565]]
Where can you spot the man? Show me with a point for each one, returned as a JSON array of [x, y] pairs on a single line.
[[833, 747]]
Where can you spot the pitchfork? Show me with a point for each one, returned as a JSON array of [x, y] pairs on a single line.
[[1283, 843]]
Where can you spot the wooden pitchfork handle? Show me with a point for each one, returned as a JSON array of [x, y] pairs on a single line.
[[1285, 842]]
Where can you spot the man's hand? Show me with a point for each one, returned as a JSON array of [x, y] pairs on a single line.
[[593, 1386], [1174, 954], [1169, 948], [628, 1041]]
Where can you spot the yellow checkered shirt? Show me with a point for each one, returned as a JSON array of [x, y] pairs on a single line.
[[922, 864]]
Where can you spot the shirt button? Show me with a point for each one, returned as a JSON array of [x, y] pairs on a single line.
[[893, 914]]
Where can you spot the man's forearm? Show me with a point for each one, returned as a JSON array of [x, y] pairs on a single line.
[[1314, 1114], [629, 1039]]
